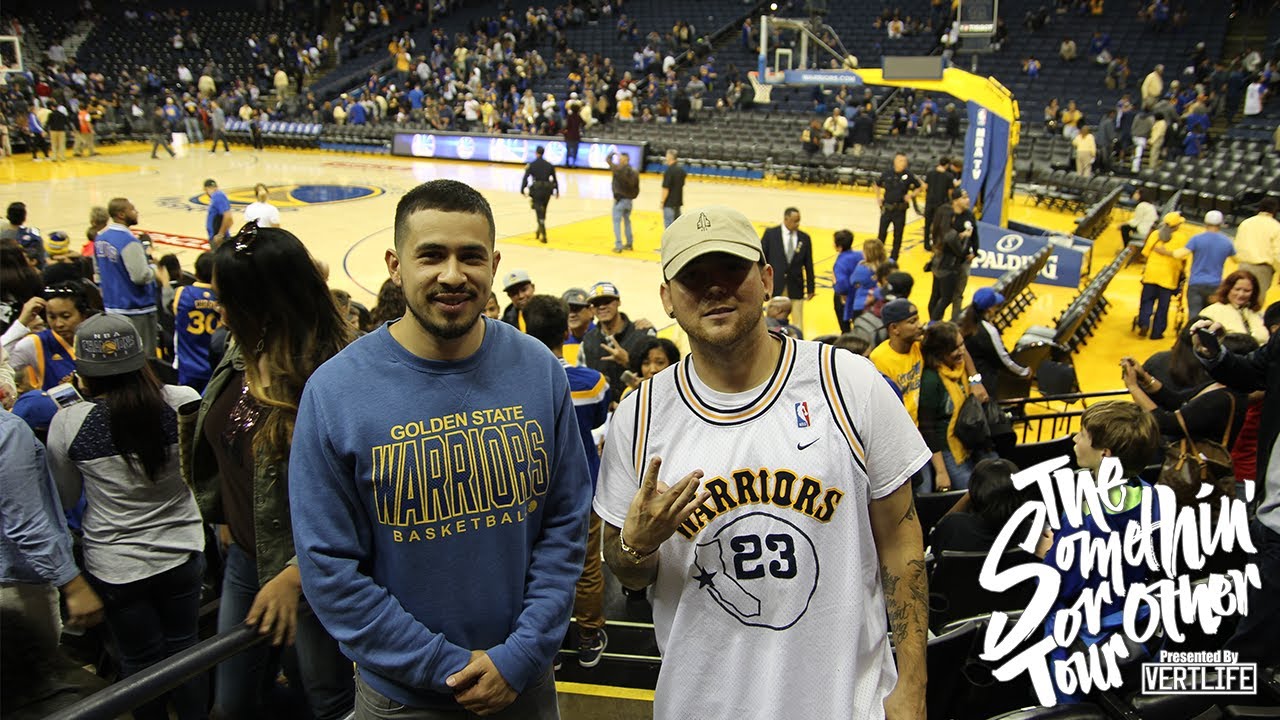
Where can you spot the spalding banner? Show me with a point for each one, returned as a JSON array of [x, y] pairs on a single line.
[[1003, 249]]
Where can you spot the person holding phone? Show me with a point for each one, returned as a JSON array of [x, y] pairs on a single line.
[[1208, 414], [47, 358], [1258, 634]]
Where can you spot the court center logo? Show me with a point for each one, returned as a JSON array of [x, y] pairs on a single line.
[[284, 197], [760, 569]]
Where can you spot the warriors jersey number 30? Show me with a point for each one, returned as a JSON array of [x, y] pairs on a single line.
[[768, 601]]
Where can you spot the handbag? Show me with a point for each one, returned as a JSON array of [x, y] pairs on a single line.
[[971, 424], [999, 421], [1189, 463]]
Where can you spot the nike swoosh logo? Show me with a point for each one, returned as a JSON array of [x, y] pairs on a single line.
[[802, 447]]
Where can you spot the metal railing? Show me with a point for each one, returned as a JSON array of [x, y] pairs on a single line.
[[1050, 425], [127, 694]]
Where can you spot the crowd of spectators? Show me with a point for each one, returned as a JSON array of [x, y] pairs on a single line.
[[1167, 115]]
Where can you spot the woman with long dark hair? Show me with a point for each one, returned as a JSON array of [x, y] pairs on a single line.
[[143, 535], [238, 463], [46, 359]]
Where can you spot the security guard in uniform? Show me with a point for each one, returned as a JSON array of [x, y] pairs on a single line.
[[540, 182], [895, 190]]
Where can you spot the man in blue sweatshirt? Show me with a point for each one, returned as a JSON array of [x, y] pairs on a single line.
[[440, 505]]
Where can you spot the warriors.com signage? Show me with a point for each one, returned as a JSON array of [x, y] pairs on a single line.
[[1004, 249]]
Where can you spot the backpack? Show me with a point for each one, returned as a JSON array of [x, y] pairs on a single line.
[[870, 328]]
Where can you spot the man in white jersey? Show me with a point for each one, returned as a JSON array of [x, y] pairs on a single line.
[[762, 486]]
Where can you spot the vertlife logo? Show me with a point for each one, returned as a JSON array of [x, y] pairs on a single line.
[[1199, 673]]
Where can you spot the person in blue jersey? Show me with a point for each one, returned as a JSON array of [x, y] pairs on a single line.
[[195, 319], [218, 219], [125, 272], [547, 320], [47, 358], [440, 505]]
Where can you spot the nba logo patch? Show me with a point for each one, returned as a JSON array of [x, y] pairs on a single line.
[[802, 414]]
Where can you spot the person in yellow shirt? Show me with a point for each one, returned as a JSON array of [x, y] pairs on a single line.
[[1071, 120], [1161, 277], [899, 357], [626, 109], [1258, 245]]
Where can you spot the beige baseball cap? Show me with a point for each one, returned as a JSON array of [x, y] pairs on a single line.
[[711, 229]]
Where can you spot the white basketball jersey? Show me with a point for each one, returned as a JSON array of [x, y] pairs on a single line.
[[768, 602]]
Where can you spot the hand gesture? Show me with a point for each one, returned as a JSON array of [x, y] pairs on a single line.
[[657, 510], [613, 352], [31, 311], [479, 687], [276, 607]]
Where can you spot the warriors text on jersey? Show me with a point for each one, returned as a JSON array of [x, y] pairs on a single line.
[[778, 569]]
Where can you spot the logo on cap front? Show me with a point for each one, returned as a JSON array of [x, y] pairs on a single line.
[[109, 348], [704, 222]]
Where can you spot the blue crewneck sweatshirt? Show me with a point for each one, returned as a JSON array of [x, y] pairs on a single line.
[[439, 508]]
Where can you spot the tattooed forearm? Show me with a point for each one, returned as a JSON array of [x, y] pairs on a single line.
[[906, 599]]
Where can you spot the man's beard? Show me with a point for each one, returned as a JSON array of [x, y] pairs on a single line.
[[740, 329], [444, 331]]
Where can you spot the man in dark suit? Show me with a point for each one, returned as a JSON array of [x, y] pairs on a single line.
[[788, 249]]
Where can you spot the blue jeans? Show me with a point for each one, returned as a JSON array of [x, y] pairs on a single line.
[[314, 663], [1198, 299], [152, 619], [669, 215], [621, 218], [194, 134], [1159, 297]]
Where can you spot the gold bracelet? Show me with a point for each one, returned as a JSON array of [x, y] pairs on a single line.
[[635, 555]]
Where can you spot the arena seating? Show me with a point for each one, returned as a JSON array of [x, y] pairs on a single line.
[[119, 44], [1097, 218], [1015, 286]]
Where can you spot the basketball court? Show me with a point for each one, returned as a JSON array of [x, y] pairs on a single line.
[[343, 207]]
